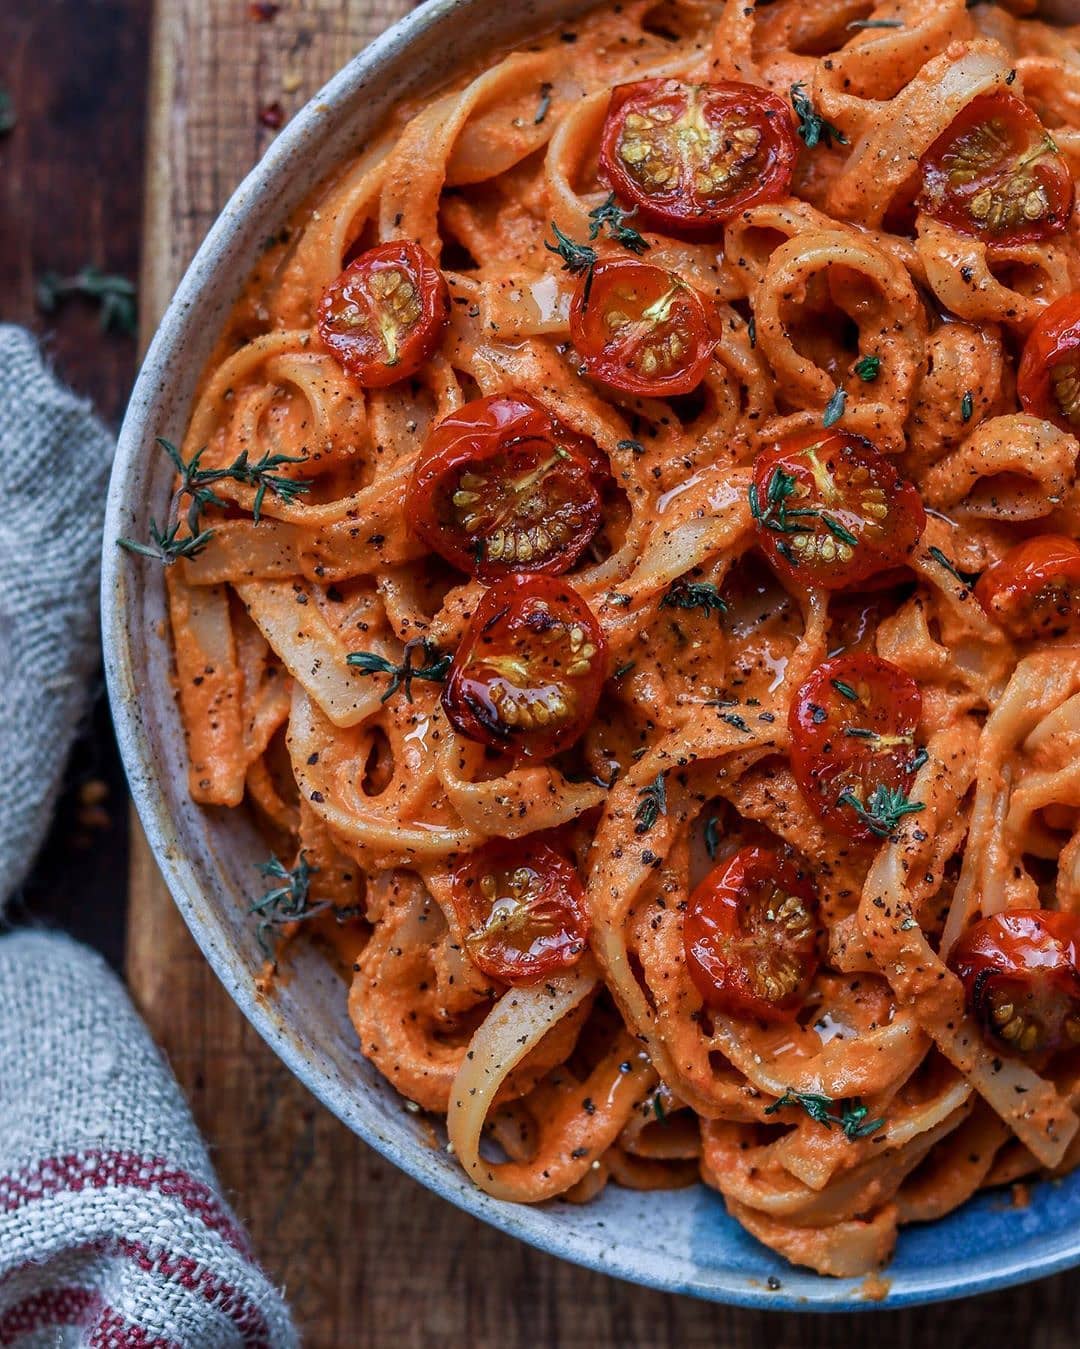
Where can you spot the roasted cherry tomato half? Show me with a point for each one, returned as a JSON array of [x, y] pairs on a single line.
[[751, 936], [522, 908], [500, 487], [996, 172], [526, 678], [830, 510], [1034, 591], [1020, 977], [385, 314], [1048, 380], [853, 748], [641, 329], [691, 156]]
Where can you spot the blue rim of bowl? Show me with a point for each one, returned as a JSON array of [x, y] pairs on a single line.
[[599, 1253]]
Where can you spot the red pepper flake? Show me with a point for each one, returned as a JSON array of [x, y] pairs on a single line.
[[272, 116], [264, 13]]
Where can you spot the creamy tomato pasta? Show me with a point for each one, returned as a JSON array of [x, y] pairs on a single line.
[[624, 552]]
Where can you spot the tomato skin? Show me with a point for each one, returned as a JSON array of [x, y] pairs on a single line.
[[383, 330], [493, 443], [526, 678], [1020, 977], [846, 482], [1034, 591], [995, 172], [750, 936], [830, 750], [662, 174], [665, 326], [522, 907], [1048, 379]]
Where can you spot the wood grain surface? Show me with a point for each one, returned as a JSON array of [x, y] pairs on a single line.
[[367, 1257]]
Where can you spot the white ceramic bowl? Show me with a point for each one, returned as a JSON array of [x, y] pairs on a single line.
[[681, 1241]]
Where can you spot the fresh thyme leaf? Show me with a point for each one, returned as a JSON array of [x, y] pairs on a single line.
[[286, 903], [921, 757], [611, 215], [634, 446], [624, 669], [578, 259], [751, 331], [834, 408], [7, 112], [965, 578], [114, 294], [653, 804], [837, 530], [712, 836], [884, 809], [658, 1109], [544, 105], [867, 368], [617, 598], [434, 667], [701, 595], [861, 732], [844, 690], [967, 406], [876, 23], [813, 128], [733, 719], [851, 1119]]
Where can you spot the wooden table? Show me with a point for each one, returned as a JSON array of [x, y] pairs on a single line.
[[366, 1256]]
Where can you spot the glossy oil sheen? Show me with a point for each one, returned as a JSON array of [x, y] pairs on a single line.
[[681, 1241]]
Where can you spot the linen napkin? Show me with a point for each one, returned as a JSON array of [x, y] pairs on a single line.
[[113, 1230]]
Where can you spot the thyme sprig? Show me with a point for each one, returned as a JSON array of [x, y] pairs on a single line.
[[778, 516], [653, 804], [883, 810], [774, 514], [581, 259], [851, 1118], [434, 666], [610, 215], [577, 259], [289, 902], [261, 476], [813, 128], [114, 294], [701, 595], [196, 484]]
